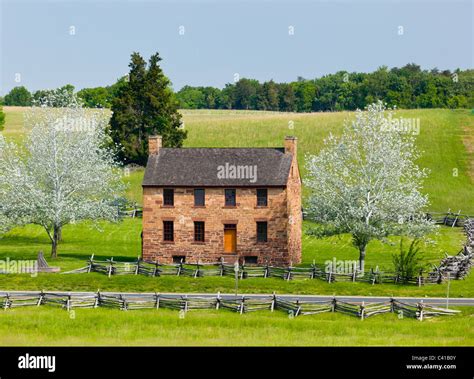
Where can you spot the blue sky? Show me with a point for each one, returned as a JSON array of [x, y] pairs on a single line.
[[222, 38]]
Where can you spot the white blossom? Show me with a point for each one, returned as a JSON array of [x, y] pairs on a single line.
[[367, 183], [62, 173]]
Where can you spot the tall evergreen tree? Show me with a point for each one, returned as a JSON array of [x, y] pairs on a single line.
[[145, 106]]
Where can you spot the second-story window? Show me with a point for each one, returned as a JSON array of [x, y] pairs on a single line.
[[262, 197], [230, 197], [168, 197], [199, 199]]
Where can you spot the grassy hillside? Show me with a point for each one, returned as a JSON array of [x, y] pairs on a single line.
[[446, 139], [442, 133]]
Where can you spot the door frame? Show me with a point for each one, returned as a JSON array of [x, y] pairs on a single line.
[[231, 227]]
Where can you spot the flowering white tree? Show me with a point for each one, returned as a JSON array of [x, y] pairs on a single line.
[[367, 183], [64, 172]]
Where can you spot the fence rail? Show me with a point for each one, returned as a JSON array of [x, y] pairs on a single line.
[[239, 304], [449, 218], [139, 267]]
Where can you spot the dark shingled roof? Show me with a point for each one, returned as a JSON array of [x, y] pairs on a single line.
[[199, 167]]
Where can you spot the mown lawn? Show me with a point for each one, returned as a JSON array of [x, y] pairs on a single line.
[[52, 326]]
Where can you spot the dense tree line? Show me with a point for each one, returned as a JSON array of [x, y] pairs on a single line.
[[99, 97], [405, 87]]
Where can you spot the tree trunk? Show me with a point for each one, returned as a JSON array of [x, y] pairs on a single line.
[[362, 258], [55, 241]]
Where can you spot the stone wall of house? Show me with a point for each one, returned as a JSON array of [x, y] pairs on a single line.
[[284, 232], [295, 217]]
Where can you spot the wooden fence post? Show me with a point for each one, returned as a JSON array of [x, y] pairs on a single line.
[[420, 307], [90, 263], [420, 278], [96, 300], [110, 267], [456, 219], [362, 310], [185, 303], [218, 300], [138, 266], [40, 299], [242, 304], [68, 303], [299, 307], [196, 271], [124, 303], [272, 306], [157, 301]]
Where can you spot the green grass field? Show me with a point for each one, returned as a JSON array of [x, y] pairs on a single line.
[[445, 138], [52, 326]]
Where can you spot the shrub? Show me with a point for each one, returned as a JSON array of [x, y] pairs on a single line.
[[408, 263]]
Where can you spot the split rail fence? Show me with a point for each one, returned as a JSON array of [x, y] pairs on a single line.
[[243, 304], [110, 268], [451, 267]]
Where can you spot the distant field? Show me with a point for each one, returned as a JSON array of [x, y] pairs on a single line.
[[446, 138]]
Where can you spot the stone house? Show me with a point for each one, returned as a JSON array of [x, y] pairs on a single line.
[[208, 204]]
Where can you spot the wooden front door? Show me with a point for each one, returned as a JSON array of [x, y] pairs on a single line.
[[230, 238]]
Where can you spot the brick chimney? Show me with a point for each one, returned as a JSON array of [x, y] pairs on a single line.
[[154, 144], [290, 145]]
